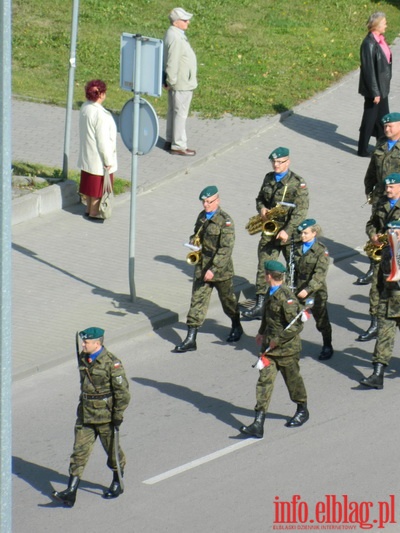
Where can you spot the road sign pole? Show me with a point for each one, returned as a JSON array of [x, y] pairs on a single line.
[[134, 168]]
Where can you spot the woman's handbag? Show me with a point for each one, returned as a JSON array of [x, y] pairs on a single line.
[[106, 202]]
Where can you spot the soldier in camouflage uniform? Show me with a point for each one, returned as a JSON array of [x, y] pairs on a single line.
[[282, 338], [386, 209], [311, 263], [388, 315], [216, 233], [103, 400], [385, 160], [280, 185]]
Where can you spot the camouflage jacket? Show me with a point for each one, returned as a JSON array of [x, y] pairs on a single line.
[[292, 189], [311, 268], [106, 378], [217, 238], [383, 162], [381, 215], [389, 290], [280, 309]]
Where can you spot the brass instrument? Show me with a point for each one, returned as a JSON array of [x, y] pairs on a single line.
[[270, 226], [194, 256], [373, 251]]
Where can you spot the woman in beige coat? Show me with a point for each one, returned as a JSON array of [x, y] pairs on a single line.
[[98, 146]]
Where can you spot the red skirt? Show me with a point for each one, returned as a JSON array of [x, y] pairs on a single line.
[[92, 184]]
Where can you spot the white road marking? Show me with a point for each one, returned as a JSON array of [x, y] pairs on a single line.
[[201, 461]]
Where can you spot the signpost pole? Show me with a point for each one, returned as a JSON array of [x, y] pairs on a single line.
[[134, 167]]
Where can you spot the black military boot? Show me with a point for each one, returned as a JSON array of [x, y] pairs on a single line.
[[371, 332], [301, 416], [189, 344], [256, 429], [68, 496], [375, 380], [327, 349], [366, 278], [256, 311], [236, 331], [115, 488]]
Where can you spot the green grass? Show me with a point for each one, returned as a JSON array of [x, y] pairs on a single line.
[[21, 168], [256, 57]]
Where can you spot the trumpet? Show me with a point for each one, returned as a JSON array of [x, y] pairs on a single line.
[[373, 251]]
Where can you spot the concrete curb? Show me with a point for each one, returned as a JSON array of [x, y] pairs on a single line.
[[44, 201]]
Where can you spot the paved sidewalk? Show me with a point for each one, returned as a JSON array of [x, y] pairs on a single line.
[[70, 273]]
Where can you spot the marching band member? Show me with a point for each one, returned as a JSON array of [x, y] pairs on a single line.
[[311, 263], [388, 313], [280, 333], [280, 185], [216, 233], [387, 209]]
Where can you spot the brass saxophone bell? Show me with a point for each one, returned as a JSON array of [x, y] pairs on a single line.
[[271, 228], [193, 258]]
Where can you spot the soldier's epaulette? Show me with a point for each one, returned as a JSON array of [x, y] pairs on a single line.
[[303, 184]]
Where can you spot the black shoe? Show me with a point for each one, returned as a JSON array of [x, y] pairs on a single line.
[[189, 344], [326, 352], [256, 311], [375, 380], [301, 416], [115, 488], [371, 333], [256, 429], [366, 279], [236, 331], [68, 496], [99, 220]]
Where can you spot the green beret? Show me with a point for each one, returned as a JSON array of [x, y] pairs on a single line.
[[91, 333], [390, 117], [395, 224], [306, 224], [392, 178], [274, 266], [208, 192], [279, 152]]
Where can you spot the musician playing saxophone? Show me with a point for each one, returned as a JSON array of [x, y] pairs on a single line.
[[280, 185], [311, 263], [388, 312], [387, 209], [216, 233]]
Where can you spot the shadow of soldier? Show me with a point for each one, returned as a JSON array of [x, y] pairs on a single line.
[[41, 479], [222, 410]]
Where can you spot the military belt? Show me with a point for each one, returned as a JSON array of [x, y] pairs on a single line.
[[96, 396]]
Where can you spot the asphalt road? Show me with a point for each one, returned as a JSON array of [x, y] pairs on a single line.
[[189, 470]]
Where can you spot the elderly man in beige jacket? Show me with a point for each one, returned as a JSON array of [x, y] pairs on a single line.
[[180, 78]]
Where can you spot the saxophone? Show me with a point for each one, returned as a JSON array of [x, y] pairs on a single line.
[[194, 256], [269, 226], [375, 252]]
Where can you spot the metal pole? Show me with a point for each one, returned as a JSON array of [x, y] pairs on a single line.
[[71, 78], [5, 267], [134, 166]]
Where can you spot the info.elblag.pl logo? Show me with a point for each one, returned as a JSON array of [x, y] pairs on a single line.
[[333, 512]]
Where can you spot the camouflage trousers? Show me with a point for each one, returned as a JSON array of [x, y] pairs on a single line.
[[201, 294], [320, 313], [373, 290], [85, 437], [290, 369], [268, 251], [387, 327]]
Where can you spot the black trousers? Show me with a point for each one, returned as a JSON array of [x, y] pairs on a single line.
[[371, 122]]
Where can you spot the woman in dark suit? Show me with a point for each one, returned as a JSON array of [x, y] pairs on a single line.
[[375, 76]]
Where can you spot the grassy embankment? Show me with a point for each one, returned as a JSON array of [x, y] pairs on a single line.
[[256, 57]]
